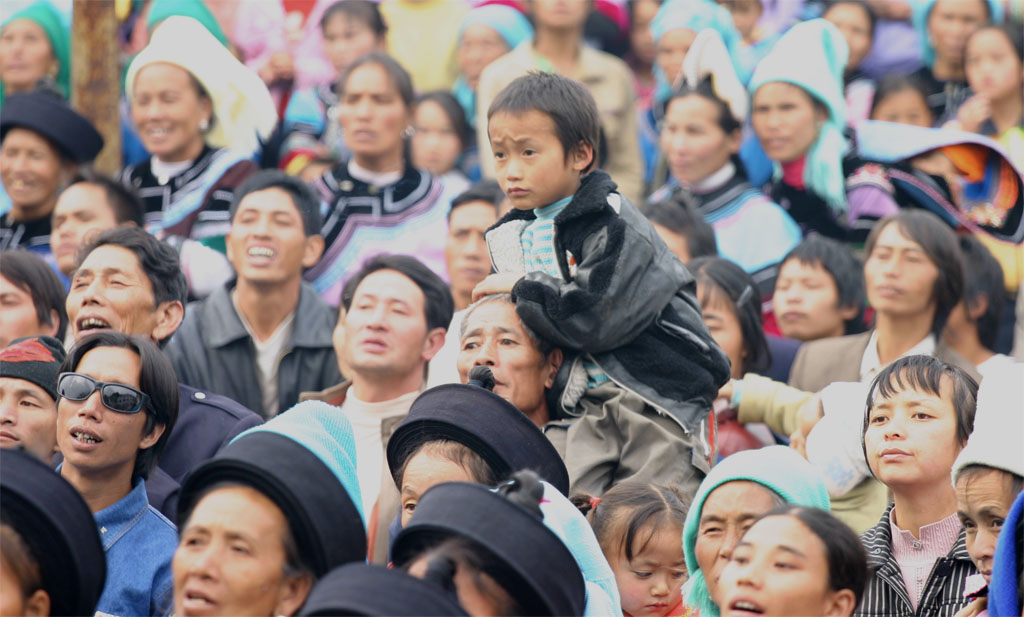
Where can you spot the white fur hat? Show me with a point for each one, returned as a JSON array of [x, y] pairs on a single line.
[[998, 437]]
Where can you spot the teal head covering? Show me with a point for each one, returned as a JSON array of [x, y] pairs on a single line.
[[47, 17], [160, 10], [693, 15], [778, 468], [820, 74], [506, 21], [922, 9]]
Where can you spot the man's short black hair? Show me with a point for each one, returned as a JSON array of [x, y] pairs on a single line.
[[569, 105], [487, 191], [678, 215], [842, 265], [123, 201], [157, 259], [983, 278], [157, 380], [925, 374], [303, 197], [29, 273], [438, 303]]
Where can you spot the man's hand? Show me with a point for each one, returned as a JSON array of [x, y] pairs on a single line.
[[499, 283]]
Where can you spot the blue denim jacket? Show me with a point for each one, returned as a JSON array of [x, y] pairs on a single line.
[[140, 543]]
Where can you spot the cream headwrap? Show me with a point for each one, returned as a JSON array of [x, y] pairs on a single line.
[[243, 111], [708, 57]]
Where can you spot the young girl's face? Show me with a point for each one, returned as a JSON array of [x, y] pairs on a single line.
[[651, 584], [906, 106], [346, 39], [435, 144], [693, 140], [853, 22], [911, 438], [671, 51], [983, 501], [778, 568], [992, 65], [720, 317]]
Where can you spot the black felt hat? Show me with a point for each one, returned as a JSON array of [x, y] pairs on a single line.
[[540, 572], [485, 423], [361, 589], [324, 520], [50, 116], [60, 531]]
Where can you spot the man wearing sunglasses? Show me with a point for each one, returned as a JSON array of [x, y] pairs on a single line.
[[128, 281], [117, 407]]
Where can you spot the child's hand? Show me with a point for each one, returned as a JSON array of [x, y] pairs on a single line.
[[973, 113], [499, 283]]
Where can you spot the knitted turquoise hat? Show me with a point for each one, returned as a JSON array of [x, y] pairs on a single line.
[[923, 8], [778, 468], [511, 24], [820, 74], [693, 15]]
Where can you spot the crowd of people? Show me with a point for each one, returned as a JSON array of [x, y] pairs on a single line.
[[644, 308]]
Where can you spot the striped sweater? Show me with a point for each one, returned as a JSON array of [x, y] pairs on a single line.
[[886, 594]]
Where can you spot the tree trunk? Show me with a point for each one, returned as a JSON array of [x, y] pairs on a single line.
[[96, 75]]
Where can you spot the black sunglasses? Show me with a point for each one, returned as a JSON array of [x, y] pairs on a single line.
[[116, 397]]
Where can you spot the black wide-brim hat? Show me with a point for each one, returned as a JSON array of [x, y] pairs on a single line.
[[47, 114], [323, 519], [361, 589], [60, 531], [540, 573], [484, 422]]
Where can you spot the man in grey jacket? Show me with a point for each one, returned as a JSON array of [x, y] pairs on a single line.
[[266, 336]]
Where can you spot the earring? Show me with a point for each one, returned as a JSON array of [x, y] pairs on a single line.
[[408, 132], [204, 124]]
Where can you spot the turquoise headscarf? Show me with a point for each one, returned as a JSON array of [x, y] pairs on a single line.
[[923, 8], [776, 467], [160, 10], [506, 21], [47, 17], [820, 74], [693, 15]]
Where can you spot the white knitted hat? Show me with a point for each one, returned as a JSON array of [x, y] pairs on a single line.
[[998, 437], [243, 109]]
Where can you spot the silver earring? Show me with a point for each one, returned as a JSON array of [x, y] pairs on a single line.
[[408, 132], [204, 124]]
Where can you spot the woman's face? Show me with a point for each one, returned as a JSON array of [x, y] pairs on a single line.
[[786, 120], [435, 144], [494, 337], [951, 23], [671, 51], [373, 114], [168, 111], [641, 41], [32, 171], [900, 277], [780, 568], [425, 469], [728, 512], [693, 140], [346, 39], [26, 56], [480, 45], [853, 22], [231, 558], [724, 326], [906, 106], [992, 65]]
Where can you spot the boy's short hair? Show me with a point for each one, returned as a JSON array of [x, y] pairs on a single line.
[[28, 272], [306, 203], [123, 201], [677, 215], [487, 191], [925, 374], [983, 277], [842, 265], [569, 105]]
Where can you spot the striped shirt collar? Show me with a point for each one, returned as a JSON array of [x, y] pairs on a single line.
[[550, 212]]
